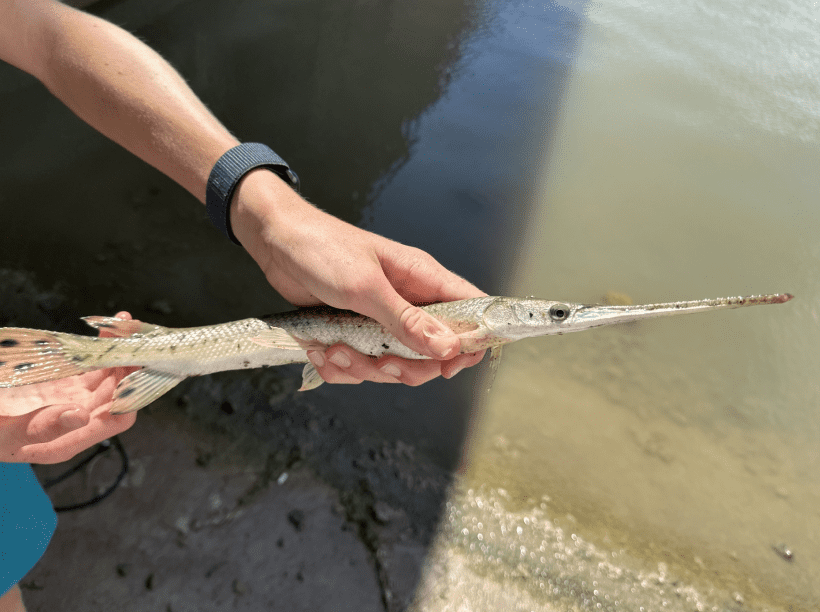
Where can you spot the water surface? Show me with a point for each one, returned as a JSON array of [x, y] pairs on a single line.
[[681, 169]]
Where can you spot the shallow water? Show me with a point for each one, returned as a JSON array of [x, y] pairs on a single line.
[[680, 169]]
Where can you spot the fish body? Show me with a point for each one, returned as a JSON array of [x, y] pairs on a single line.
[[167, 356]]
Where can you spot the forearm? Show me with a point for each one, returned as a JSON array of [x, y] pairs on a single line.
[[127, 91]]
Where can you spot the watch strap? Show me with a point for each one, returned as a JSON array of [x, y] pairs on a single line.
[[230, 169]]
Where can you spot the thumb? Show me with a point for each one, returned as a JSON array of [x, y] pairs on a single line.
[[52, 422], [413, 327]]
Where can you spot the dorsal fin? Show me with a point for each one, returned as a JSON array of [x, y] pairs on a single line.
[[123, 328], [278, 338]]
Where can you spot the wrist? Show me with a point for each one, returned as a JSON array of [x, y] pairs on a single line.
[[259, 209], [229, 170]]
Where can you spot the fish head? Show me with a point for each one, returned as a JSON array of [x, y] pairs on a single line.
[[514, 318]]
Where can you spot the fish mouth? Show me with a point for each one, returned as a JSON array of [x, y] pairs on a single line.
[[594, 315]]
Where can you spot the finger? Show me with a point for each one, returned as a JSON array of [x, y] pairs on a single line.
[[331, 372], [357, 365], [53, 422], [454, 366], [409, 273], [412, 326], [388, 369], [412, 372], [19, 401], [101, 427], [421, 331], [416, 372], [420, 278]]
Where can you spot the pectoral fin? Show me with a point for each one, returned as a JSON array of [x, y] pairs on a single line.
[[142, 387], [310, 378], [492, 370], [278, 338]]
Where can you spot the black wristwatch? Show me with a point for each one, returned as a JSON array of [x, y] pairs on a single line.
[[229, 170]]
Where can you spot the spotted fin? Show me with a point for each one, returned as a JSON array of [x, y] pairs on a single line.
[[30, 356], [278, 338], [123, 328], [310, 378], [142, 387]]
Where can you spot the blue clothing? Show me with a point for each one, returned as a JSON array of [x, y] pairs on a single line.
[[27, 522]]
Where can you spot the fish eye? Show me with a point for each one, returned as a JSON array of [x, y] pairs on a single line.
[[559, 312]]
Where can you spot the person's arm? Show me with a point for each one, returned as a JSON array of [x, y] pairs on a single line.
[[12, 601], [128, 92], [117, 84]]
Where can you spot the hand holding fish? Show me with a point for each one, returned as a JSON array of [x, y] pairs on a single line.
[[311, 257], [50, 422]]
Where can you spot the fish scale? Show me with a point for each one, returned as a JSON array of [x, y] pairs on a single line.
[[167, 356]]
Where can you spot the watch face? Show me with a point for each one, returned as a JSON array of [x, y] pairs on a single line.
[[294, 180]]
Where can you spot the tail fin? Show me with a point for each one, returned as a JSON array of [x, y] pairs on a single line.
[[30, 356]]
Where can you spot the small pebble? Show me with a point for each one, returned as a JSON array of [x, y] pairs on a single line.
[[212, 570], [784, 551], [384, 513], [617, 298], [297, 519]]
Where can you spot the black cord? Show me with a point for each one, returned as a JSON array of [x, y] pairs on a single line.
[[102, 447]]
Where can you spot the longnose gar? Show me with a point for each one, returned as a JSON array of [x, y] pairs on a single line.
[[167, 355]]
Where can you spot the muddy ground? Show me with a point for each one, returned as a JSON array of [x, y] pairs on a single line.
[[240, 494]]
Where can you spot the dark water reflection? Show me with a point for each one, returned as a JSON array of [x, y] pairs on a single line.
[[415, 120], [423, 121]]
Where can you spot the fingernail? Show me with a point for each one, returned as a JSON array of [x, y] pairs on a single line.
[[72, 419], [340, 359], [455, 371], [434, 331], [316, 358], [440, 340], [391, 369]]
